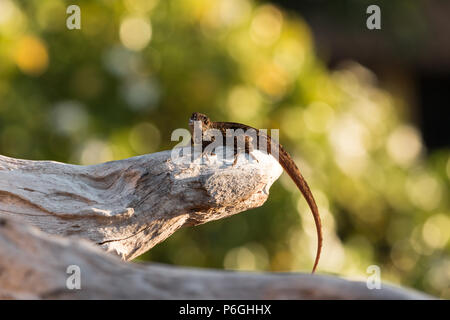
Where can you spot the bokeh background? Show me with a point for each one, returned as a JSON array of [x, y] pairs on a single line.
[[353, 107]]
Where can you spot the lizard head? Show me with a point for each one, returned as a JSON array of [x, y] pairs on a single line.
[[197, 116]]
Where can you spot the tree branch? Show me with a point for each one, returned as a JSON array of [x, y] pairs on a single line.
[[129, 206], [33, 265]]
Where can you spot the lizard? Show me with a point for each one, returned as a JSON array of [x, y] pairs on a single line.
[[284, 159]]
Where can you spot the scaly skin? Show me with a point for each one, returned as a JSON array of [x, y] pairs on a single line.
[[284, 159]]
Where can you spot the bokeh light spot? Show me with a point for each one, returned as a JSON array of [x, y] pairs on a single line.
[[144, 138], [424, 191], [118, 61], [244, 102], [271, 79], [7, 9], [290, 55], [266, 25], [435, 231], [95, 151], [233, 11], [135, 33], [31, 55], [404, 145], [348, 136], [249, 257], [141, 93], [69, 117], [318, 117]]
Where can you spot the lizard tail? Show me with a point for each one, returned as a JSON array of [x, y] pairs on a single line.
[[298, 179], [291, 168]]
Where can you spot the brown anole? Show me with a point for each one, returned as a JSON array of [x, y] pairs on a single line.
[[283, 158]]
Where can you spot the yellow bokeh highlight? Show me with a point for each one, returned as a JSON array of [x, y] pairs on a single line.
[[318, 117], [404, 145], [271, 79], [244, 102], [31, 55], [266, 26], [290, 55], [232, 12], [95, 151], [250, 257], [424, 190], [135, 33], [435, 231], [7, 10]]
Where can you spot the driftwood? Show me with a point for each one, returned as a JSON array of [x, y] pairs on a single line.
[[34, 265], [126, 207], [129, 206]]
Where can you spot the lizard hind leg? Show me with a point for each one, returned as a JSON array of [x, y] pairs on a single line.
[[248, 148]]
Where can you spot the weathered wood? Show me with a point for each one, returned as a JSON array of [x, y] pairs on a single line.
[[130, 205], [127, 207], [33, 265]]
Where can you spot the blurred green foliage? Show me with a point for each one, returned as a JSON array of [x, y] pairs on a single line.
[[137, 69]]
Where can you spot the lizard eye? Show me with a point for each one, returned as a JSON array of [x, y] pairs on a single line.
[[194, 116]]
